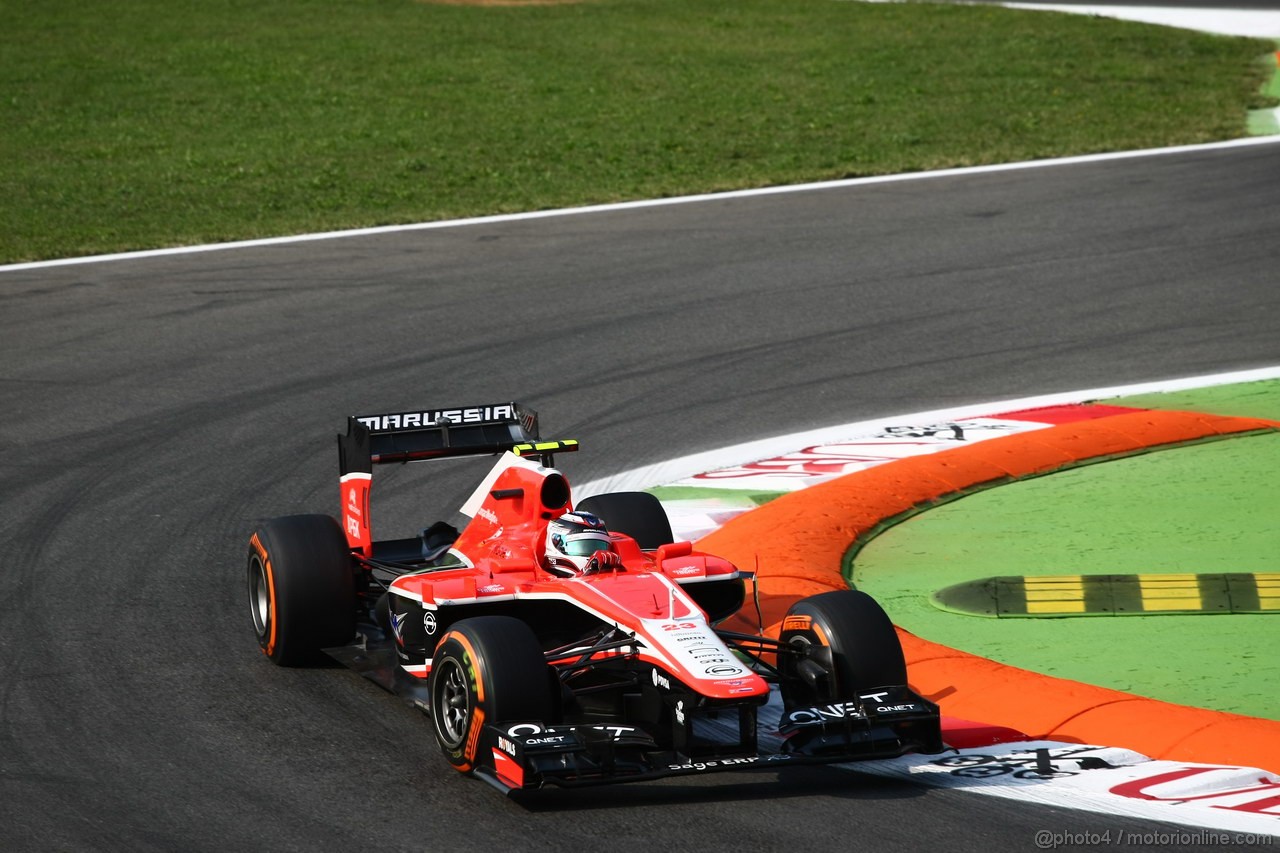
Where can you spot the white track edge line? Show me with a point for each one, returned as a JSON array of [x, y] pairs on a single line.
[[644, 203], [648, 476]]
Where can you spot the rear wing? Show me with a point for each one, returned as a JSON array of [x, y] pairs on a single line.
[[428, 434], [433, 434]]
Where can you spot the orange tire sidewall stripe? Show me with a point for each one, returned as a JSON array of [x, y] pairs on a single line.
[[477, 716], [820, 634], [473, 736], [473, 660], [271, 592]]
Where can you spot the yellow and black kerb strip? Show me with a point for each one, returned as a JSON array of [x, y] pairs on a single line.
[[1113, 595]]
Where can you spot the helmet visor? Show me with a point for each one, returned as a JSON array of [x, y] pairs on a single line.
[[585, 544]]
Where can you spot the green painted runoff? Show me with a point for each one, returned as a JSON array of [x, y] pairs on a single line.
[[1204, 508]]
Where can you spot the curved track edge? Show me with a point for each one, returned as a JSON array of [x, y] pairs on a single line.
[[798, 542]]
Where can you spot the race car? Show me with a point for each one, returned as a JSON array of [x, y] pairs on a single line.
[[560, 643]]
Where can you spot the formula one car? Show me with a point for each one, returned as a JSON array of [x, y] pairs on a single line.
[[570, 644]]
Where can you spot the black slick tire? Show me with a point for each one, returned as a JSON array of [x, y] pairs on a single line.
[[848, 642], [301, 587], [486, 669]]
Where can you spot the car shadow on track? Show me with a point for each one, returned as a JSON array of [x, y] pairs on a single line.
[[812, 781]]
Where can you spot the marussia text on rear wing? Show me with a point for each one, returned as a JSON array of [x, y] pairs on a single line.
[[425, 434], [433, 434]]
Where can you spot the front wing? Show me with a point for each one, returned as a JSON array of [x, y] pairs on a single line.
[[523, 755]]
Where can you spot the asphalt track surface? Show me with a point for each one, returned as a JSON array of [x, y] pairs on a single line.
[[154, 408]]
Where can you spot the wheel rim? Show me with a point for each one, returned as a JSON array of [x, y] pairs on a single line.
[[451, 702], [259, 596]]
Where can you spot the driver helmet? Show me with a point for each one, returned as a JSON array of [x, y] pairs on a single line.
[[572, 539]]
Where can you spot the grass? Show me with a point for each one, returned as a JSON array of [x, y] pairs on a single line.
[[144, 123]]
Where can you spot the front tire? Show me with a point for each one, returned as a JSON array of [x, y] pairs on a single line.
[[485, 669], [846, 645], [301, 587]]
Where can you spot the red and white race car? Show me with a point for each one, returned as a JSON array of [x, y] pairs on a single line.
[[570, 644]]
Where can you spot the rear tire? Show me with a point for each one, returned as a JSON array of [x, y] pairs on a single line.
[[485, 669], [849, 638], [301, 587], [638, 514]]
